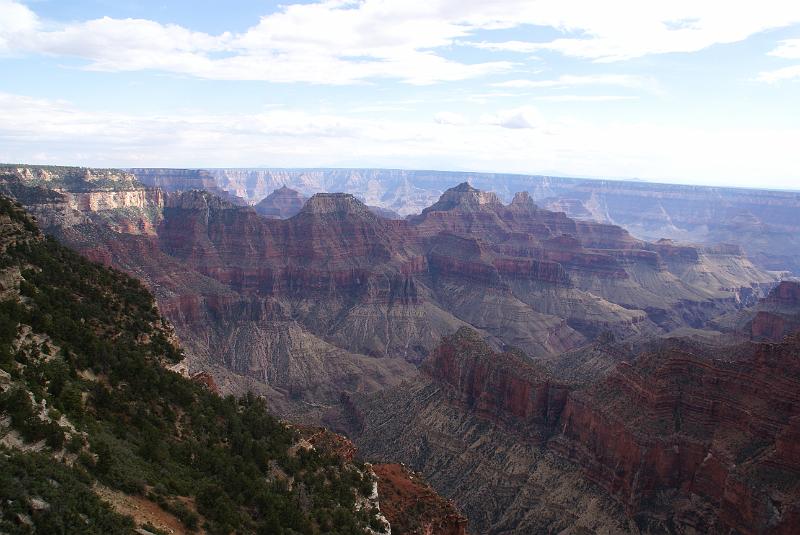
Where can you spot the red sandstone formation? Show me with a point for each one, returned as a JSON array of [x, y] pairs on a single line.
[[207, 380], [778, 315], [503, 386], [786, 293], [267, 298], [412, 506], [718, 436]]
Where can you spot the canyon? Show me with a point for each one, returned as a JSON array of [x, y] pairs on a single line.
[[549, 373]]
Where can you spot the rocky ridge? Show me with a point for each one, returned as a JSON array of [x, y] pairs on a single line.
[[764, 223]]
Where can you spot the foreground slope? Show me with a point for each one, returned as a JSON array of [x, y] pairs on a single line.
[[90, 410]]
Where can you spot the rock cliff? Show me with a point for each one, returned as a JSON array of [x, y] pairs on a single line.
[[764, 223], [770, 319], [678, 436]]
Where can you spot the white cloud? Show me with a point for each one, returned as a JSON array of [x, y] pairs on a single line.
[[447, 117], [779, 75], [15, 19], [585, 98], [349, 41], [330, 42], [623, 29], [524, 117], [568, 80], [788, 49], [44, 131]]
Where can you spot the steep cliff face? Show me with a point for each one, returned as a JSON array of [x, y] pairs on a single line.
[[61, 197], [477, 435], [778, 315], [678, 436], [770, 319], [704, 429], [505, 387]]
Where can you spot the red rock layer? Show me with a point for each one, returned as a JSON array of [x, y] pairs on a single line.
[[502, 386], [718, 437], [413, 507], [785, 293], [778, 314]]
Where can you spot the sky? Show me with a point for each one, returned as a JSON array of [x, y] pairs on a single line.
[[685, 91]]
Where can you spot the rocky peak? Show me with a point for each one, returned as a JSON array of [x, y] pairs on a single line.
[[283, 203], [336, 204], [522, 200], [466, 198]]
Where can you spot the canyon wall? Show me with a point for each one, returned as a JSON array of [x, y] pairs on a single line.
[[683, 440], [764, 223]]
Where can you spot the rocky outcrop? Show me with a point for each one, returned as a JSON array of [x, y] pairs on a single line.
[[409, 504], [785, 294], [770, 319], [412, 506], [281, 203], [62, 197]]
